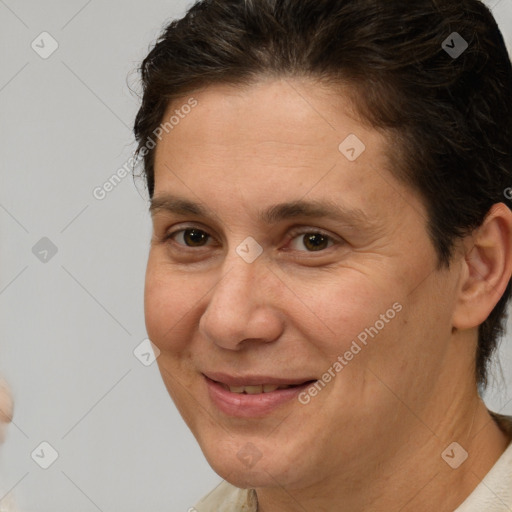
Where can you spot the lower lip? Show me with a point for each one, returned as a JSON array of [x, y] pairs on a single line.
[[242, 405]]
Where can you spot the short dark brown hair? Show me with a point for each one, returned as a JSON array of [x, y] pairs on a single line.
[[449, 116]]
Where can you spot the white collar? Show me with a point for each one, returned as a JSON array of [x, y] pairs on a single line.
[[494, 492]]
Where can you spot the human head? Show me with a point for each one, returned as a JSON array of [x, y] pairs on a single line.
[[448, 121]]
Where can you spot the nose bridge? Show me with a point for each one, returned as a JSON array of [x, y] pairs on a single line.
[[238, 280], [238, 308]]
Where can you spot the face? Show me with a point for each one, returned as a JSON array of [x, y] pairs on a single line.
[[291, 285]]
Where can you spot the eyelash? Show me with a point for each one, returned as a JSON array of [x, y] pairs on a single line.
[[293, 234]]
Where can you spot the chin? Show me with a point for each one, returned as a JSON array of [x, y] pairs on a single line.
[[248, 478], [239, 462]]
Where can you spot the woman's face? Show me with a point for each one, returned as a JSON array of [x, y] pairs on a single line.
[[301, 259]]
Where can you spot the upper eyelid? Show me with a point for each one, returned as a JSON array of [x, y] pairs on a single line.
[[308, 229]]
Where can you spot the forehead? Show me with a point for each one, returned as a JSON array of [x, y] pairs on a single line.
[[300, 113], [275, 140]]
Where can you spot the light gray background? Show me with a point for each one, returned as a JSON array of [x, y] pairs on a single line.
[[68, 327]]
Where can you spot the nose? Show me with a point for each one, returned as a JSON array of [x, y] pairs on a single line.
[[243, 306]]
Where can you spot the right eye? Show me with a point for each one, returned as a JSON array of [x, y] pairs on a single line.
[[189, 237]]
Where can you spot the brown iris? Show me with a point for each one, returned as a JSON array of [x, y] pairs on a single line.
[[315, 241], [194, 237]]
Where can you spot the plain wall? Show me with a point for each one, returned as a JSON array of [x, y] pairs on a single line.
[[69, 325]]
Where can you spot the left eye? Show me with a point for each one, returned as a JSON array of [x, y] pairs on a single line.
[[312, 241]]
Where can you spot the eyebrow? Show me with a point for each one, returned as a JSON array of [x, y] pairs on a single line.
[[279, 212]]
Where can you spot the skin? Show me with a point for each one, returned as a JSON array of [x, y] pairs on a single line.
[[6, 408], [372, 438]]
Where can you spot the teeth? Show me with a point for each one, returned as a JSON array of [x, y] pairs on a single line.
[[236, 389], [255, 390]]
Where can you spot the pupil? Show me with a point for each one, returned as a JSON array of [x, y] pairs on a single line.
[[314, 241], [194, 236]]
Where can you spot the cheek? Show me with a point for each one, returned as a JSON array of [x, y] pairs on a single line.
[[408, 354], [169, 301], [345, 307]]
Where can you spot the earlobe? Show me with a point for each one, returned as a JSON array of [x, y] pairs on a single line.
[[487, 268]]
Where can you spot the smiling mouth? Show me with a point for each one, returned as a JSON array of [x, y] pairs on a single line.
[[252, 396], [252, 388], [263, 388]]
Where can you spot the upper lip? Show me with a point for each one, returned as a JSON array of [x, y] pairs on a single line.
[[255, 380]]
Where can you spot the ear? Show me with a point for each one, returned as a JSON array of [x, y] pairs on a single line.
[[487, 268]]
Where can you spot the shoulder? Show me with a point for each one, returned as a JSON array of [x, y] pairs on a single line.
[[494, 493], [228, 498]]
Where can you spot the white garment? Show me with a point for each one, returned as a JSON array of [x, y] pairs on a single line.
[[493, 494]]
